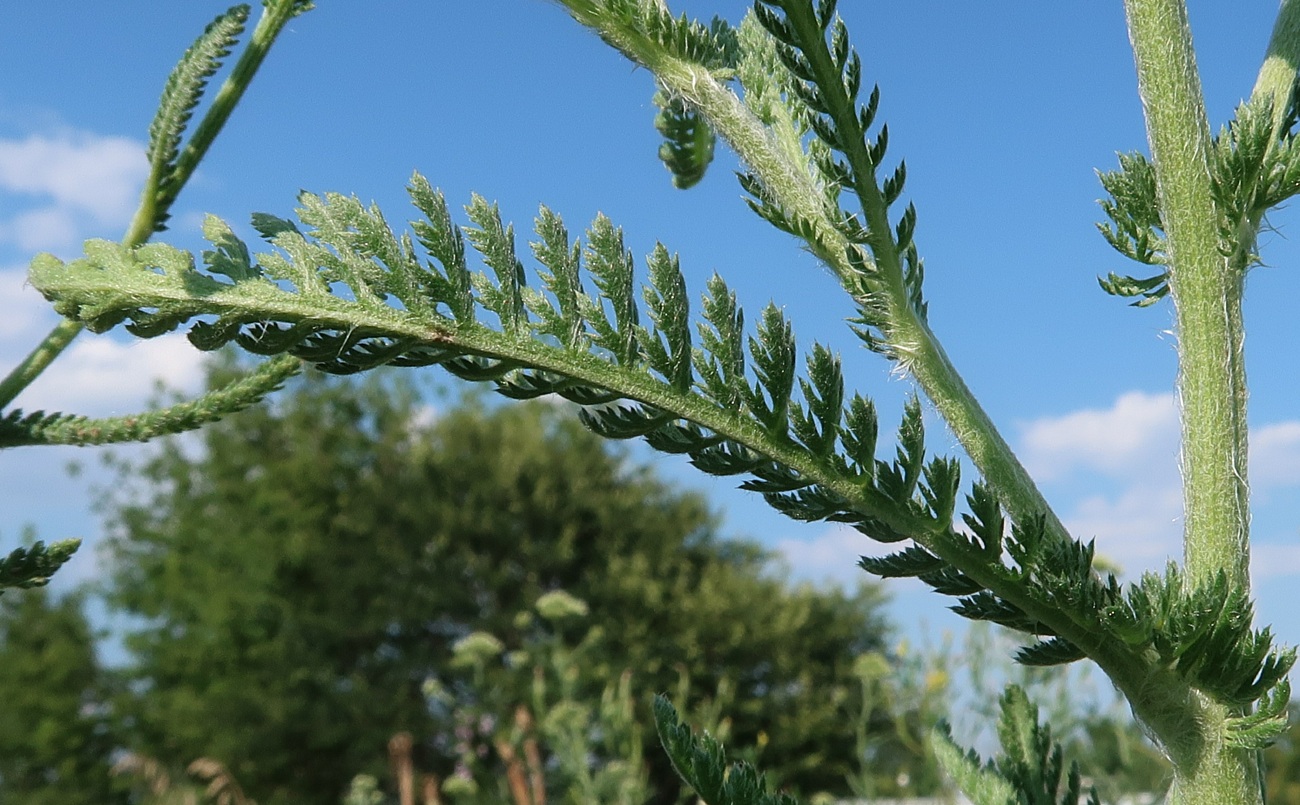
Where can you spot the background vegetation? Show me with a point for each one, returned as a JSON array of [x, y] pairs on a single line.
[[289, 630]]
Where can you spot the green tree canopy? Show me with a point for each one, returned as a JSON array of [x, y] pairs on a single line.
[[55, 746], [307, 566]]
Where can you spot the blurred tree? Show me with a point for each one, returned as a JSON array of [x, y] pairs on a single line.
[[307, 566], [1282, 762], [55, 743]]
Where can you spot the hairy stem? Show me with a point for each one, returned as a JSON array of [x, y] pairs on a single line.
[[1218, 775], [1207, 293]]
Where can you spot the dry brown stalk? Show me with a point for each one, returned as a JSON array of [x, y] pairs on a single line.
[[399, 753], [514, 772], [429, 789], [524, 722]]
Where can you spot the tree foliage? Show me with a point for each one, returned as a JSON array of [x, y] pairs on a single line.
[[56, 744], [308, 569]]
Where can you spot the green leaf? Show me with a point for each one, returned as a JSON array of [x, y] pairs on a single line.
[[1150, 289], [721, 360], [563, 259], [1055, 651], [818, 427], [610, 264], [982, 784], [1259, 729], [702, 762], [985, 606], [497, 244], [688, 143], [183, 91], [33, 567], [898, 480], [669, 347], [913, 561], [348, 293], [773, 353], [985, 519], [17, 429], [861, 429], [452, 285], [1027, 771]]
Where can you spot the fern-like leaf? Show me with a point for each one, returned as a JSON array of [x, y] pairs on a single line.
[[688, 143], [182, 93], [1029, 769], [33, 567], [1055, 651], [913, 561], [18, 429], [347, 293], [702, 763]]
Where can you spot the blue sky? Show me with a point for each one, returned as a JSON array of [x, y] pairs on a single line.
[[1002, 118]]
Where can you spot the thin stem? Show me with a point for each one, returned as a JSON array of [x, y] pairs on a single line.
[[274, 17], [212, 406], [158, 199], [38, 359], [1277, 76], [909, 334]]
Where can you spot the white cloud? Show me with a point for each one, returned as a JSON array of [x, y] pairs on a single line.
[[1129, 450], [832, 557], [96, 173], [100, 376], [829, 558], [23, 314], [44, 229], [79, 183], [1275, 455], [1140, 529], [1123, 440], [1270, 560]]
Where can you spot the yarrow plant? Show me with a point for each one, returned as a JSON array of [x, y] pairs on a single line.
[[340, 289]]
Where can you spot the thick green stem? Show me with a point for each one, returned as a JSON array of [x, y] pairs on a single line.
[[1207, 291], [1213, 773]]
